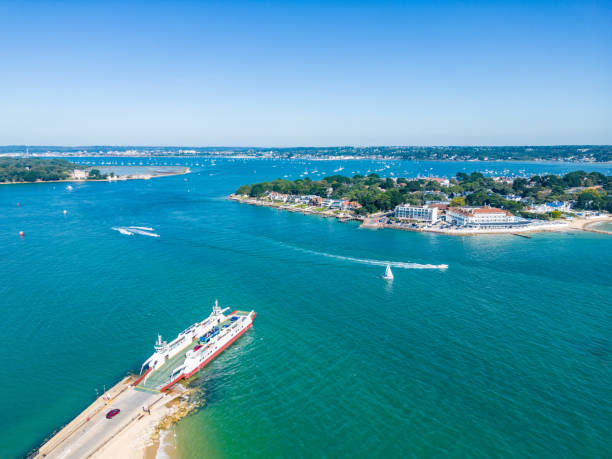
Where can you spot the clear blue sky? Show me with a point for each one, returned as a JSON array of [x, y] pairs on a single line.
[[305, 73]]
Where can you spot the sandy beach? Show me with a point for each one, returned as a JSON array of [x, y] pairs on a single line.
[[589, 224]]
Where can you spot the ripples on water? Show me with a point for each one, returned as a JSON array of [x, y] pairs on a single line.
[[506, 353]]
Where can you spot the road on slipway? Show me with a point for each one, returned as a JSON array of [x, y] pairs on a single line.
[[99, 430]]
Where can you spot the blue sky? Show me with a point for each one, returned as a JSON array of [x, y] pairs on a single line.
[[305, 73]]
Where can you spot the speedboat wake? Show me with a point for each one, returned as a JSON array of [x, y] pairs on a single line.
[[131, 230], [367, 261]]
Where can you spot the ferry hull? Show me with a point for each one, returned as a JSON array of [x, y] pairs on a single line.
[[211, 358]]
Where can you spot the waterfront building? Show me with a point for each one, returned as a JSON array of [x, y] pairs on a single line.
[[274, 196], [79, 174], [483, 217], [315, 200], [332, 203], [431, 203], [441, 181], [440, 205], [427, 214], [292, 198], [550, 206], [350, 205]]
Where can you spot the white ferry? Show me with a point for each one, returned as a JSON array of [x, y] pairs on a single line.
[[192, 349]]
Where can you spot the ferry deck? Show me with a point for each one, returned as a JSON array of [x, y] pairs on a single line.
[[155, 380]]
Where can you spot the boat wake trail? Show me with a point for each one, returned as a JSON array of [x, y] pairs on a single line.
[[131, 230], [366, 261]]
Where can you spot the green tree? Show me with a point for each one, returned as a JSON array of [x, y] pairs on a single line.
[[574, 179], [244, 189], [257, 190], [590, 199], [459, 201], [95, 174]]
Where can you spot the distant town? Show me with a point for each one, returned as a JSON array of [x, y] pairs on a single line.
[[575, 153], [464, 204]]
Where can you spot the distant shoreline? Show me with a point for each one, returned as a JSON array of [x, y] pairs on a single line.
[[186, 170], [326, 158]]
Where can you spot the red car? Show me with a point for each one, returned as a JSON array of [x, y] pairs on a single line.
[[112, 413], [197, 347]]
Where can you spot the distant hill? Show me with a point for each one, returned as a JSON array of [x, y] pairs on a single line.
[[599, 153]]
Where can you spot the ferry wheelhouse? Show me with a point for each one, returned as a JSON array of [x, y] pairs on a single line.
[[192, 349]]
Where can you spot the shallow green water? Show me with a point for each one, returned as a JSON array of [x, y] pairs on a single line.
[[605, 226], [505, 353]]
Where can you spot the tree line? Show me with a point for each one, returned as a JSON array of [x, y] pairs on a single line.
[[35, 169], [592, 191]]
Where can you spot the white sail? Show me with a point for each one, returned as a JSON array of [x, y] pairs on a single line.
[[388, 273]]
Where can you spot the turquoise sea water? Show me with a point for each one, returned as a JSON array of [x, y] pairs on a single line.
[[508, 352]]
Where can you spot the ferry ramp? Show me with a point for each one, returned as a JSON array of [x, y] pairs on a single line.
[[161, 376]]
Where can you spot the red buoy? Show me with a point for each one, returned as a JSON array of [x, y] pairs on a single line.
[[21, 233], [17, 204]]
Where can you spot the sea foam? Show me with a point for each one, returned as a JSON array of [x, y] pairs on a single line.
[[368, 261]]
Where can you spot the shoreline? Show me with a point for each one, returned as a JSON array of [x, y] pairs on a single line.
[[137, 434], [122, 178], [142, 439], [321, 158], [586, 226], [372, 221]]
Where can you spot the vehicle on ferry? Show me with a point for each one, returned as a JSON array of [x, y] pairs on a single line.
[[192, 349]]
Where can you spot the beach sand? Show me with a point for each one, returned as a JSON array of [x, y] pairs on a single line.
[[141, 438], [584, 223]]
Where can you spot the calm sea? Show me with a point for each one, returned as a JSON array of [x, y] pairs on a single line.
[[508, 352]]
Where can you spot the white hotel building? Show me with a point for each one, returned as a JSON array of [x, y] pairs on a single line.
[[483, 217], [418, 213]]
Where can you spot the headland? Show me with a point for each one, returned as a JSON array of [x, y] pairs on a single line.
[[460, 206]]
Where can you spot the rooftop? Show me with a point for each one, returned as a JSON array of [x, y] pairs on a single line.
[[469, 211]]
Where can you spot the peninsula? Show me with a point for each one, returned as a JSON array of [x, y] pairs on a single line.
[[464, 204], [36, 170]]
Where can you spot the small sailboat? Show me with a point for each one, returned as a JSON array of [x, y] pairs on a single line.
[[388, 274]]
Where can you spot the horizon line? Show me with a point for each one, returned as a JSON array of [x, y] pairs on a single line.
[[305, 146]]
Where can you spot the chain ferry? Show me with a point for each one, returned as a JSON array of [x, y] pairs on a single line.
[[192, 349]]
